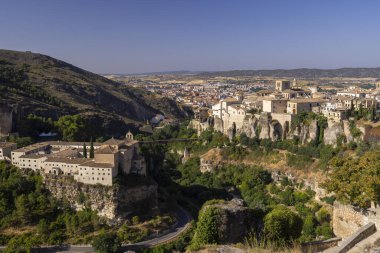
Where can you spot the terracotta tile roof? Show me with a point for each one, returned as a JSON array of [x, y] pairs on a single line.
[[106, 150]]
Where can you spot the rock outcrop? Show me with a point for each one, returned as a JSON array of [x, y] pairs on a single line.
[[235, 221], [280, 126], [112, 202], [305, 132], [332, 132], [6, 119]]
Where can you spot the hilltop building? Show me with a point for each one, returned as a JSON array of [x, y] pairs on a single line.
[[282, 85], [283, 104], [65, 158]]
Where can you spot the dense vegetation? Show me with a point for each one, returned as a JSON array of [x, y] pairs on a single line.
[[68, 128], [30, 217], [356, 180], [26, 204], [192, 188]]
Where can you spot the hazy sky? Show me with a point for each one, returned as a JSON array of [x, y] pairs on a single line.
[[160, 35]]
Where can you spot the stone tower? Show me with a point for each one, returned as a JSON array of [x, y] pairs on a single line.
[[186, 155], [129, 136]]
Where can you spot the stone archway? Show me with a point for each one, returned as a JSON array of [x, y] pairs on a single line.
[[276, 130]]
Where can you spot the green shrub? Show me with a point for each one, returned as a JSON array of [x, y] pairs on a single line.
[[207, 229], [325, 231], [106, 243], [282, 225]]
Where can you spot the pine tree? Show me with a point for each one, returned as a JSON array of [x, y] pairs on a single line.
[[84, 150], [92, 149]]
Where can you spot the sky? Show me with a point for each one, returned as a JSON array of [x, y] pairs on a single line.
[[138, 36]]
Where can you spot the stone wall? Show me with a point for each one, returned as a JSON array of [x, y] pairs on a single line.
[[319, 246], [113, 202], [359, 235], [348, 219]]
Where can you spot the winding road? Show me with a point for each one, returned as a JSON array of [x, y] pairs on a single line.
[[183, 223]]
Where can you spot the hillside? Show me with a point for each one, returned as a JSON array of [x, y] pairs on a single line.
[[300, 73], [39, 84]]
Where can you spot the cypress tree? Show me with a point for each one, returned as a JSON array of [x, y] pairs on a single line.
[[84, 150], [92, 149]]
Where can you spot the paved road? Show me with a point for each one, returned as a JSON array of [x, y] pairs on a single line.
[[183, 217]]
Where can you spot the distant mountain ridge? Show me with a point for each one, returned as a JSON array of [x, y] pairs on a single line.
[[300, 73], [39, 84], [174, 72]]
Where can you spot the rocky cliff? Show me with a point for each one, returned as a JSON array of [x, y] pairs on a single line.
[[235, 221], [6, 119], [113, 202], [281, 126]]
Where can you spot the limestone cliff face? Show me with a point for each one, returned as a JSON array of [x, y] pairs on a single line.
[[113, 202], [218, 125], [235, 221], [305, 132], [264, 126], [337, 129], [6, 119], [332, 132], [278, 126], [249, 127], [346, 131]]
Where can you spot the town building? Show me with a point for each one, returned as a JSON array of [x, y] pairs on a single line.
[[296, 106], [282, 85], [6, 149], [275, 105], [66, 158]]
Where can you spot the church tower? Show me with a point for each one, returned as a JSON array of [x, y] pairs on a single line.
[[129, 136]]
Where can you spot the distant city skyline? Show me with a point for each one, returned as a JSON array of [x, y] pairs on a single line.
[[143, 36]]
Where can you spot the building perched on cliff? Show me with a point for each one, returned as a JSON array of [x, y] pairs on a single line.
[[274, 113], [66, 158]]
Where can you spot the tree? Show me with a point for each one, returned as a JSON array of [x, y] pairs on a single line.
[[22, 209], [84, 150], [356, 180], [244, 140], [233, 130], [22, 244], [207, 230], [71, 127], [281, 225], [92, 149], [106, 243], [308, 230]]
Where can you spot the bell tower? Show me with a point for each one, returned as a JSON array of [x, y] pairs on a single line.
[[129, 136]]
